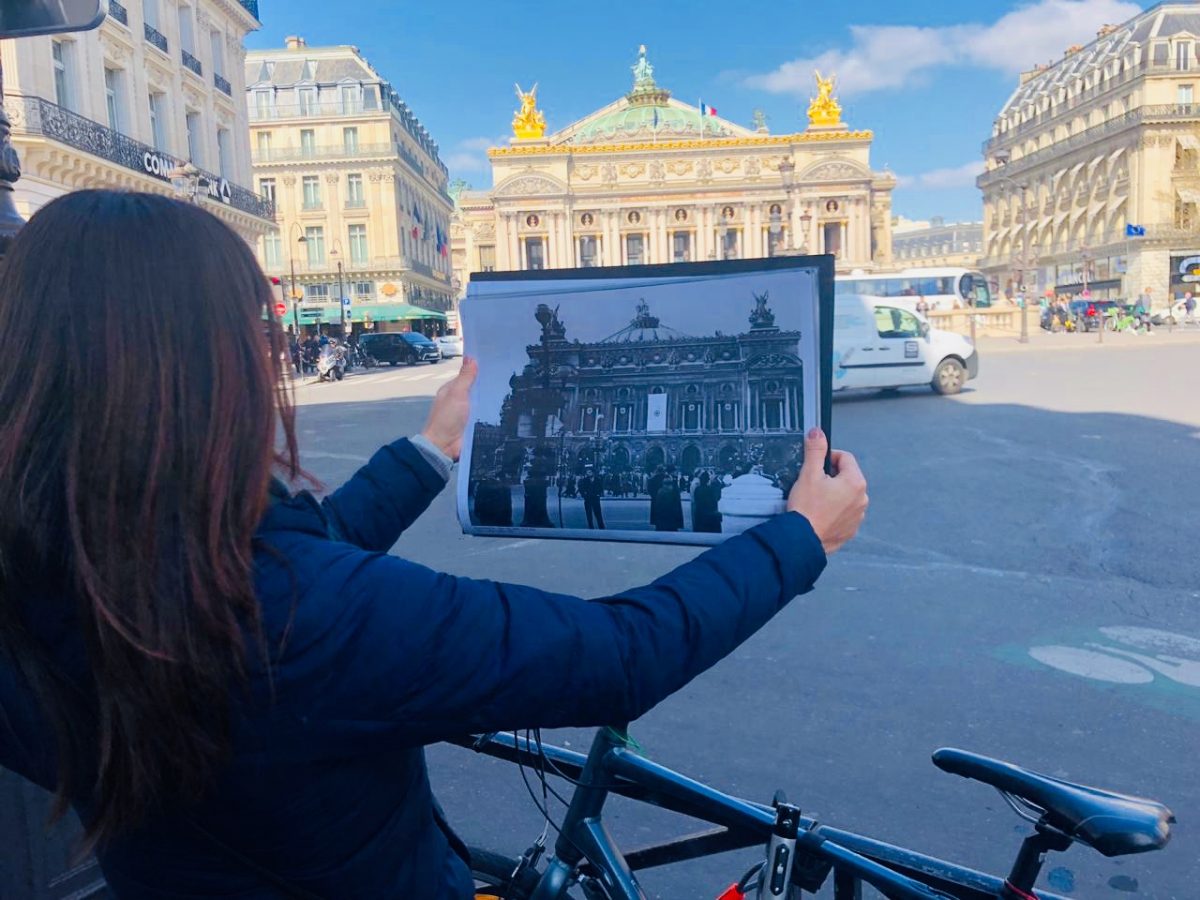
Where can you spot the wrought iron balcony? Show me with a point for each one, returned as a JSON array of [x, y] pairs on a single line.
[[156, 37], [118, 12], [41, 118], [190, 62], [222, 84]]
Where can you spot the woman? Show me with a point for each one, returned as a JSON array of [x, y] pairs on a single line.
[[231, 684]]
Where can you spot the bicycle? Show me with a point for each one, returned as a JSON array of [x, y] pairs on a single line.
[[800, 854]]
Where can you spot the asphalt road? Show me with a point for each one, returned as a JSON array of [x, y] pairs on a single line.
[[1026, 586]]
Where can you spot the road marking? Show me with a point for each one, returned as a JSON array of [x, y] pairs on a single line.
[[1176, 657]]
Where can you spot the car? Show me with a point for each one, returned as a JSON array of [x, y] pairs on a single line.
[[877, 344], [408, 347], [1176, 315], [450, 345]]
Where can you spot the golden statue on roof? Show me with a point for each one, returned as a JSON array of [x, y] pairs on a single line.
[[528, 123], [824, 111]]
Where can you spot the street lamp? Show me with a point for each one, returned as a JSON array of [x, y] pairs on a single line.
[[293, 294], [536, 515], [336, 256], [187, 181], [787, 171], [1003, 159]]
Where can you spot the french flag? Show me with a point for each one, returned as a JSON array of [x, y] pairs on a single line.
[[706, 110]]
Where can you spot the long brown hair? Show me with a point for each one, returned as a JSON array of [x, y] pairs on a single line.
[[143, 399]]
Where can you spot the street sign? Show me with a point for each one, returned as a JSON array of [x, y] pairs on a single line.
[[1135, 231], [281, 310], [346, 301], [311, 312]]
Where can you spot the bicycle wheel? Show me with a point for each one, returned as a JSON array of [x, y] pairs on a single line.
[[493, 876]]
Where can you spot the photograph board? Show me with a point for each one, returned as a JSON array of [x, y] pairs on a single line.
[[662, 404]]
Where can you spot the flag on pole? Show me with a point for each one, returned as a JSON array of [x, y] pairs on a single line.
[[416, 214], [706, 110]]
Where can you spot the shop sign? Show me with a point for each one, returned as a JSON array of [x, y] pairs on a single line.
[[161, 166]]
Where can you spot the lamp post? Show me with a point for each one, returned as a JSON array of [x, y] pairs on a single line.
[[336, 255], [536, 515], [1024, 259], [293, 294], [187, 181], [787, 172]]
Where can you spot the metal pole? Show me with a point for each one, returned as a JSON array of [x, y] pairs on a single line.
[[292, 297], [342, 302], [1024, 273]]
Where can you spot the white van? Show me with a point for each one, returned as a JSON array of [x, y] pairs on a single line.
[[879, 344]]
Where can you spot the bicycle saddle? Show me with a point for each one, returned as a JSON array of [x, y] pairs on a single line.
[[1113, 824]]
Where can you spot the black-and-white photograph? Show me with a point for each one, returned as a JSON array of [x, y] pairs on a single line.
[[662, 409]]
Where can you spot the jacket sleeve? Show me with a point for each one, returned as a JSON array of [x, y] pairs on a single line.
[[383, 498], [421, 656]]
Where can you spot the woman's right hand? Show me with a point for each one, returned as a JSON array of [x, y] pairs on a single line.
[[835, 505]]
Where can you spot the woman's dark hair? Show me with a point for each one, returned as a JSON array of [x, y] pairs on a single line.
[[142, 401]]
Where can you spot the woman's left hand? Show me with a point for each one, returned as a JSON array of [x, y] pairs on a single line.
[[448, 418]]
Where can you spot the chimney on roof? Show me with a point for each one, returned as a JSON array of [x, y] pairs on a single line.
[[1073, 49], [1106, 30], [295, 43]]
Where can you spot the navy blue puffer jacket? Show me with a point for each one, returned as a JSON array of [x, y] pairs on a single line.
[[381, 656]]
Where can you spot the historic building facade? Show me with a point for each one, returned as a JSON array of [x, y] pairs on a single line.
[[359, 188], [650, 395], [1093, 168], [936, 243], [124, 106], [648, 179]]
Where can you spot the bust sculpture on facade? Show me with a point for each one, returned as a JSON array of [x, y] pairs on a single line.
[[528, 123], [824, 111]]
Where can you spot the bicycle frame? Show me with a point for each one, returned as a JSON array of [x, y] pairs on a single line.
[[585, 848]]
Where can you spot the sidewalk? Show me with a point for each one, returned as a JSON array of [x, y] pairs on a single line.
[[1044, 340]]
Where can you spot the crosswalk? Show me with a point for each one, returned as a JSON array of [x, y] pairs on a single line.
[[379, 377]]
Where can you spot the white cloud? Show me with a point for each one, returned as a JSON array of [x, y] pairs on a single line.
[[894, 56], [953, 178], [470, 154]]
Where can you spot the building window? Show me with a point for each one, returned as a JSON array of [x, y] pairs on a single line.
[[264, 146], [312, 191], [681, 246], [354, 191], [535, 254], [588, 251], [266, 187], [832, 232], [358, 244], [308, 142], [728, 416], [635, 248], [350, 141], [217, 41], [487, 257], [691, 416], [150, 13], [729, 243], [272, 250], [224, 153], [364, 290], [316, 293], [1184, 95], [158, 120], [351, 98], [187, 36], [314, 243], [1183, 56], [194, 138], [264, 104], [63, 52], [308, 101], [114, 82]]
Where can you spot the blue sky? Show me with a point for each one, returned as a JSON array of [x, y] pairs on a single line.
[[928, 77]]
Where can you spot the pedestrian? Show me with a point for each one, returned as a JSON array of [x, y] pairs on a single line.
[[667, 512], [922, 305], [705, 500], [653, 485], [1189, 308], [591, 488], [493, 502], [233, 684]]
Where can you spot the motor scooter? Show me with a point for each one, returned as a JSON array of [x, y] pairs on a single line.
[[331, 365]]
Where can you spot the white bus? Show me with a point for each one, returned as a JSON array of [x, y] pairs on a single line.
[[942, 288]]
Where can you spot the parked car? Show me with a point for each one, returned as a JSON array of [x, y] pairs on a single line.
[[406, 347], [450, 345]]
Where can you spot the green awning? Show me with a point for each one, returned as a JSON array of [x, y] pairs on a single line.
[[393, 312]]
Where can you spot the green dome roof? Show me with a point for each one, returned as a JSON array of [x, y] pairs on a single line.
[[657, 121]]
